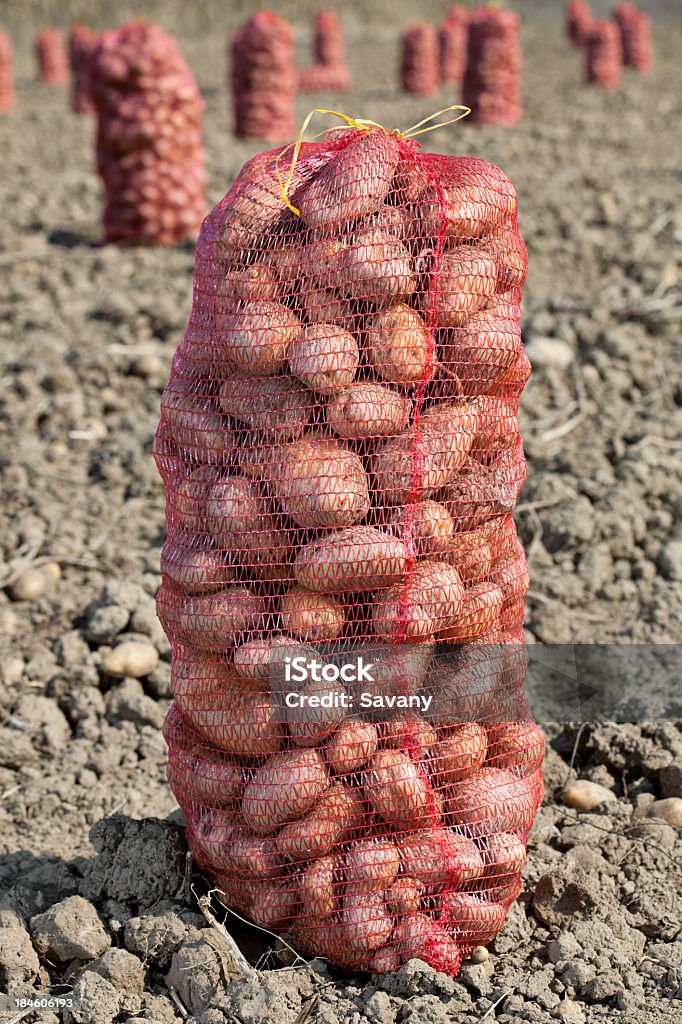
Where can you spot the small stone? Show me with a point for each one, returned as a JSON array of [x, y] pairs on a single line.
[[52, 570], [569, 1012], [131, 658], [122, 969], [586, 796], [11, 670], [18, 959], [549, 352], [29, 586], [129, 702], [106, 622], [668, 810], [670, 560], [479, 955], [70, 930], [564, 947], [654, 830]]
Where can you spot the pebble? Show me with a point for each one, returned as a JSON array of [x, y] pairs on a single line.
[[669, 809], [670, 560], [586, 796], [70, 930], [549, 352], [569, 1012], [131, 658], [29, 586], [52, 570], [106, 622]]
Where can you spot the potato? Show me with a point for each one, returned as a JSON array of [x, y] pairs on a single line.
[[479, 198], [325, 357], [404, 896], [514, 378], [479, 353], [210, 780], [418, 936], [324, 306], [421, 606], [460, 750], [461, 283], [213, 622], [196, 572], [519, 745], [280, 407], [355, 181], [320, 263], [327, 937], [512, 577], [368, 410], [385, 961], [367, 920], [254, 338], [320, 886], [427, 525], [310, 616], [505, 855], [376, 267], [400, 346], [243, 284], [498, 426], [475, 921], [492, 800], [309, 725], [509, 249], [355, 559], [399, 670], [262, 660], [211, 836], [334, 819], [273, 902], [283, 789], [439, 857], [398, 220], [426, 457], [252, 856], [194, 422], [399, 790], [413, 734], [478, 493], [351, 745], [371, 864], [413, 176], [235, 721], [321, 483], [187, 498], [469, 551]]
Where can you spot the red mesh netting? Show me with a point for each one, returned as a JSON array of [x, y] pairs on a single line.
[[420, 63], [150, 151], [453, 34], [82, 42], [578, 22], [8, 97], [53, 64], [263, 78], [492, 77], [330, 71], [604, 62], [635, 36], [340, 448]]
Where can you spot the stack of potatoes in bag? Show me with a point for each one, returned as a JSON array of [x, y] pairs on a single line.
[[340, 448]]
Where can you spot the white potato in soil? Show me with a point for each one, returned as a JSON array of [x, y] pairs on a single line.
[[325, 357]]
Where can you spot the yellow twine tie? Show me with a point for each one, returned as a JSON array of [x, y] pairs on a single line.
[[361, 124]]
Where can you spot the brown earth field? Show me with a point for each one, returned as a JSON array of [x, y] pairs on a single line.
[[95, 903]]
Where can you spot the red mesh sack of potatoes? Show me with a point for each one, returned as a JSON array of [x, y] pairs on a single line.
[[82, 42], [343, 587], [635, 37], [263, 78], [53, 64], [150, 152], [420, 62], [452, 37], [578, 22], [604, 55], [330, 71], [8, 97], [492, 77]]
